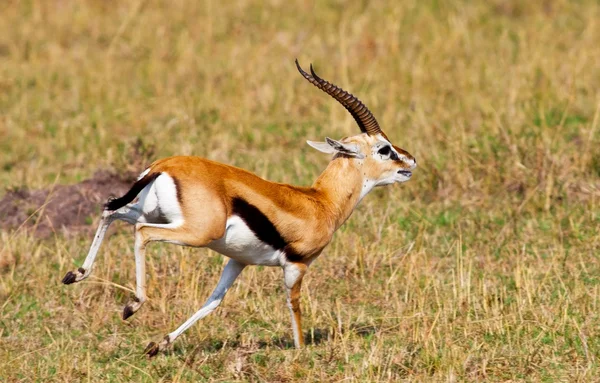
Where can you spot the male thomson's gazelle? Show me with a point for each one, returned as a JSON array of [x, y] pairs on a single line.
[[196, 202]]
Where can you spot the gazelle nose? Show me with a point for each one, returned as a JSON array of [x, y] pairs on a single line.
[[413, 164]]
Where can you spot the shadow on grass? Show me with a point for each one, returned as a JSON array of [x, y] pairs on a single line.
[[311, 337]]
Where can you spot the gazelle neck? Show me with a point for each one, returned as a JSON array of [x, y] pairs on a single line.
[[342, 185]]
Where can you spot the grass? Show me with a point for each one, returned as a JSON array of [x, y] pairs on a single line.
[[483, 267]]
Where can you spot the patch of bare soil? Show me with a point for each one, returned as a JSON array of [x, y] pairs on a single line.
[[65, 209], [71, 209]]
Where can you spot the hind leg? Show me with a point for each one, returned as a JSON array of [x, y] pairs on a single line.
[[140, 277], [129, 213], [148, 232]]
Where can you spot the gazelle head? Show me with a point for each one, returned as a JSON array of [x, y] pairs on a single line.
[[381, 162]]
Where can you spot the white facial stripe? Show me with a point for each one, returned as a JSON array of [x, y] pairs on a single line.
[[389, 154], [385, 142], [381, 138]]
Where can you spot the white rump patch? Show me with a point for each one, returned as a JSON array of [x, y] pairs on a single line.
[[160, 200]]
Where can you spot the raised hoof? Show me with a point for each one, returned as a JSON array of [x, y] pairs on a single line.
[[154, 348], [69, 278], [74, 276]]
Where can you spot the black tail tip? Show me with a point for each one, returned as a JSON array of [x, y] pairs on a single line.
[[112, 204]]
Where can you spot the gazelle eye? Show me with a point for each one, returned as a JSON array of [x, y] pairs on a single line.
[[385, 151]]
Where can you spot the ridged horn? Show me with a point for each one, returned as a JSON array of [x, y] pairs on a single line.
[[362, 115]]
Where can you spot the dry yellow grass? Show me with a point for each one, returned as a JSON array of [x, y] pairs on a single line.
[[483, 267]]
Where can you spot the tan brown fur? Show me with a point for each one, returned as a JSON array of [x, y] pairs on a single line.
[[207, 189]]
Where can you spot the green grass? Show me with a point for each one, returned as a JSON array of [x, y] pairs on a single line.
[[484, 267]]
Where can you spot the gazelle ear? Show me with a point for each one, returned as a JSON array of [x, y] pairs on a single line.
[[333, 146], [347, 149], [323, 147]]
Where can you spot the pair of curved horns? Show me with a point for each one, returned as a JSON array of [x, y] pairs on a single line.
[[362, 115]]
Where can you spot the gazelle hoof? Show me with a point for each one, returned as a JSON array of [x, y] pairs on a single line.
[[131, 308], [127, 312], [69, 278], [154, 348], [74, 276]]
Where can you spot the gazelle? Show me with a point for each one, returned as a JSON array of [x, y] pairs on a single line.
[[192, 201]]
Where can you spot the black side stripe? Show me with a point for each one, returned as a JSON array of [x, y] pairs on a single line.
[[263, 228], [117, 203]]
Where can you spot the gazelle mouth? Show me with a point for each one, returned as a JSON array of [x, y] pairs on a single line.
[[405, 173]]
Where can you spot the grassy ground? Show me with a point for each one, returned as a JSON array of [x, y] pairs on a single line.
[[483, 267]]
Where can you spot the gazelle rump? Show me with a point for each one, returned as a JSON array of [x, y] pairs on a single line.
[[196, 202]]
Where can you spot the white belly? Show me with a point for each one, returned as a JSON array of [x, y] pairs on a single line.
[[241, 244]]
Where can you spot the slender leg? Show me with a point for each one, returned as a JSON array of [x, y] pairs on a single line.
[[147, 232], [85, 270], [293, 274], [230, 273], [129, 213], [140, 276]]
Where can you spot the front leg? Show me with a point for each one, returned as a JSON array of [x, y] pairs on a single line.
[[293, 274]]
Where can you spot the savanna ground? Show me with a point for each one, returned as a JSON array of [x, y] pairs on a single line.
[[483, 267]]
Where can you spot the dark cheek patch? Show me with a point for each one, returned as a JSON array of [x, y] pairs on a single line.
[[263, 228]]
